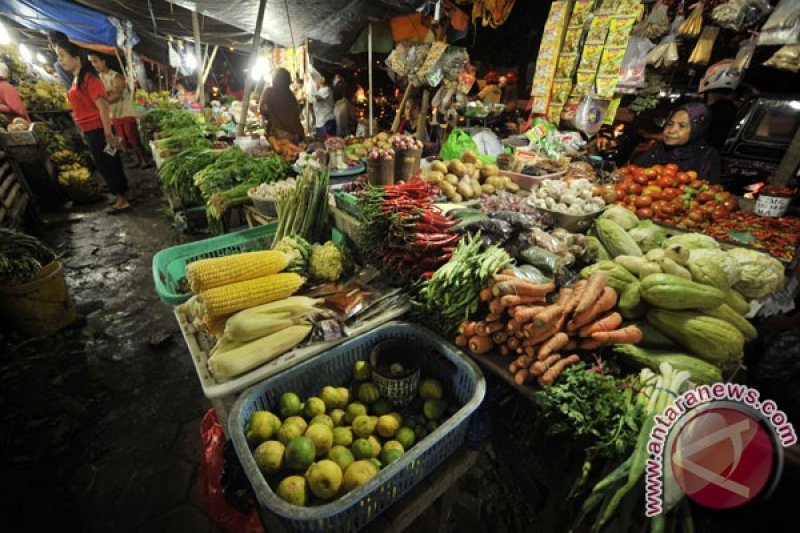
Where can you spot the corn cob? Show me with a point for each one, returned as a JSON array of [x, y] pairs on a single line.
[[218, 271], [239, 358], [234, 297]]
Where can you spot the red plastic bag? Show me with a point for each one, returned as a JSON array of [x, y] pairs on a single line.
[[220, 512]]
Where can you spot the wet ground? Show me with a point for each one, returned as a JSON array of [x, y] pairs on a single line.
[[101, 428]]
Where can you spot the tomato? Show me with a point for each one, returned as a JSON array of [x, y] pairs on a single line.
[[721, 212], [621, 191], [650, 174], [684, 178], [731, 204], [609, 194], [643, 201], [658, 168], [652, 190], [659, 206], [664, 182], [670, 193], [644, 212], [641, 179], [696, 215], [671, 167], [696, 184], [634, 189], [692, 174], [704, 197]]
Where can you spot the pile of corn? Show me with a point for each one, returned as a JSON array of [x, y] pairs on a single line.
[[249, 307]]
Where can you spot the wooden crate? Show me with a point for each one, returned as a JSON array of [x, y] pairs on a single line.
[[13, 197]]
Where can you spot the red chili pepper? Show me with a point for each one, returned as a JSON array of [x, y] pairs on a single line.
[[427, 275]]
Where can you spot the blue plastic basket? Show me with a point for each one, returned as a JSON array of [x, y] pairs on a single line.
[[460, 378], [169, 265]]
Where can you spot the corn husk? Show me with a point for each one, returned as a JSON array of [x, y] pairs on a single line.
[[701, 54], [691, 26]]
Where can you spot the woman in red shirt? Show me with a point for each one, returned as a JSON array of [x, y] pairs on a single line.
[[90, 109]]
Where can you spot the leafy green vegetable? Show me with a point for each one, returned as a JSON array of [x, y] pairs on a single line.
[[21, 256], [648, 235], [177, 173], [761, 274], [234, 167]]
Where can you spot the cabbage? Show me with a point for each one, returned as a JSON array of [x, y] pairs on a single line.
[[729, 265], [693, 241], [760, 273], [624, 218], [648, 235]]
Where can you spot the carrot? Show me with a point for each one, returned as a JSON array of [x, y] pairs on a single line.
[[522, 288], [467, 328], [529, 350], [556, 370], [480, 345], [606, 322], [520, 350], [554, 344], [513, 367], [493, 327], [627, 335], [508, 272], [512, 326], [486, 294], [574, 298], [500, 337], [592, 292], [503, 350], [498, 278], [540, 367], [513, 343], [543, 335], [492, 318], [522, 376], [496, 307], [564, 296], [461, 340], [589, 344], [525, 313], [510, 300], [550, 314], [480, 328], [517, 363], [606, 302], [571, 345], [519, 334]]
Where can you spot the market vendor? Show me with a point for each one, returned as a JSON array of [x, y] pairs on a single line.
[[684, 143], [11, 105], [279, 108]]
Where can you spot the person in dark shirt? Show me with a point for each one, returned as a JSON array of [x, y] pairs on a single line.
[[684, 143], [55, 38]]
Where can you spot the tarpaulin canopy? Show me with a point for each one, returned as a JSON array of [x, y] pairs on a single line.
[[77, 22], [289, 23]]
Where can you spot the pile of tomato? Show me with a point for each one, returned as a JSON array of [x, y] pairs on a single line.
[[666, 195]]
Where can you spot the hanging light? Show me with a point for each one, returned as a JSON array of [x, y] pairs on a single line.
[[25, 53], [190, 61], [5, 38], [260, 70], [40, 58]]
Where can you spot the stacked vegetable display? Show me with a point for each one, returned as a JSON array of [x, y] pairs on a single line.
[[302, 209], [521, 322], [403, 232], [177, 174], [44, 96], [668, 196], [467, 178]]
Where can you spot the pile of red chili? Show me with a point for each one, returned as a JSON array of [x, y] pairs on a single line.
[[778, 236], [418, 240]]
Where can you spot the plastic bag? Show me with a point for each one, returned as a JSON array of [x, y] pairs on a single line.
[[739, 14], [634, 63], [655, 25], [665, 53], [542, 259], [212, 465], [459, 142], [488, 142], [743, 58], [783, 26], [787, 58], [531, 273]]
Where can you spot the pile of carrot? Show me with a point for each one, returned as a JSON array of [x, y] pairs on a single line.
[[521, 323]]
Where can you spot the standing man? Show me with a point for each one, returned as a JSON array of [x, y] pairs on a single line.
[[325, 121], [55, 38], [123, 115]]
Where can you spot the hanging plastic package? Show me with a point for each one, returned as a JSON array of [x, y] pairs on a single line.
[[590, 115], [634, 63], [656, 24], [787, 58], [739, 14], [783, 25], [744, 56]]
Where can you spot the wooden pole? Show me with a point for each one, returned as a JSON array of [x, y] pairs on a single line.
[[789, 164], [307, 59], [248, 80], [198, 53], [399, 116], [423, 112], [369, 60], [207, 70]]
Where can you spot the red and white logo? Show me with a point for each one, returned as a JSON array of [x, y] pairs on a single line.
[[722, 457]]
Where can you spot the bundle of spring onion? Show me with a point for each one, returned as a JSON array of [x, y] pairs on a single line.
[[177, 173]]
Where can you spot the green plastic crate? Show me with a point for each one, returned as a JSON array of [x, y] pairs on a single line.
[[348, 203], [169, 265]]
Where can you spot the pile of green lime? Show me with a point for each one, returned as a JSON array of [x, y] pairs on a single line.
[[316, 450]]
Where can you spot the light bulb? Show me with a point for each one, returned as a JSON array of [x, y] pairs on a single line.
[[190, 61]]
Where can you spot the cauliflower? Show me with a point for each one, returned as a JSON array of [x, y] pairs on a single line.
[[297, 248], [328, 262]]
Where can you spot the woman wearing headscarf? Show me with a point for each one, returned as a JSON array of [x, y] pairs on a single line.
[[684, 143], [279, 108]]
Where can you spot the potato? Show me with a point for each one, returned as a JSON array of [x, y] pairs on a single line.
[[451, 178], [439, 167], [495, 181], [456, 198], [469, 169], [448, 188], [435, 175], [511, 186], [456, 167], [369, 143], [469, 157], [479, 164], [490, 170], [382, 136], [476, 188], [465, 189], [488, 188]]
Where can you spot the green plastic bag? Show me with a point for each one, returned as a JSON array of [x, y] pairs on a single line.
[[459, 142]]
